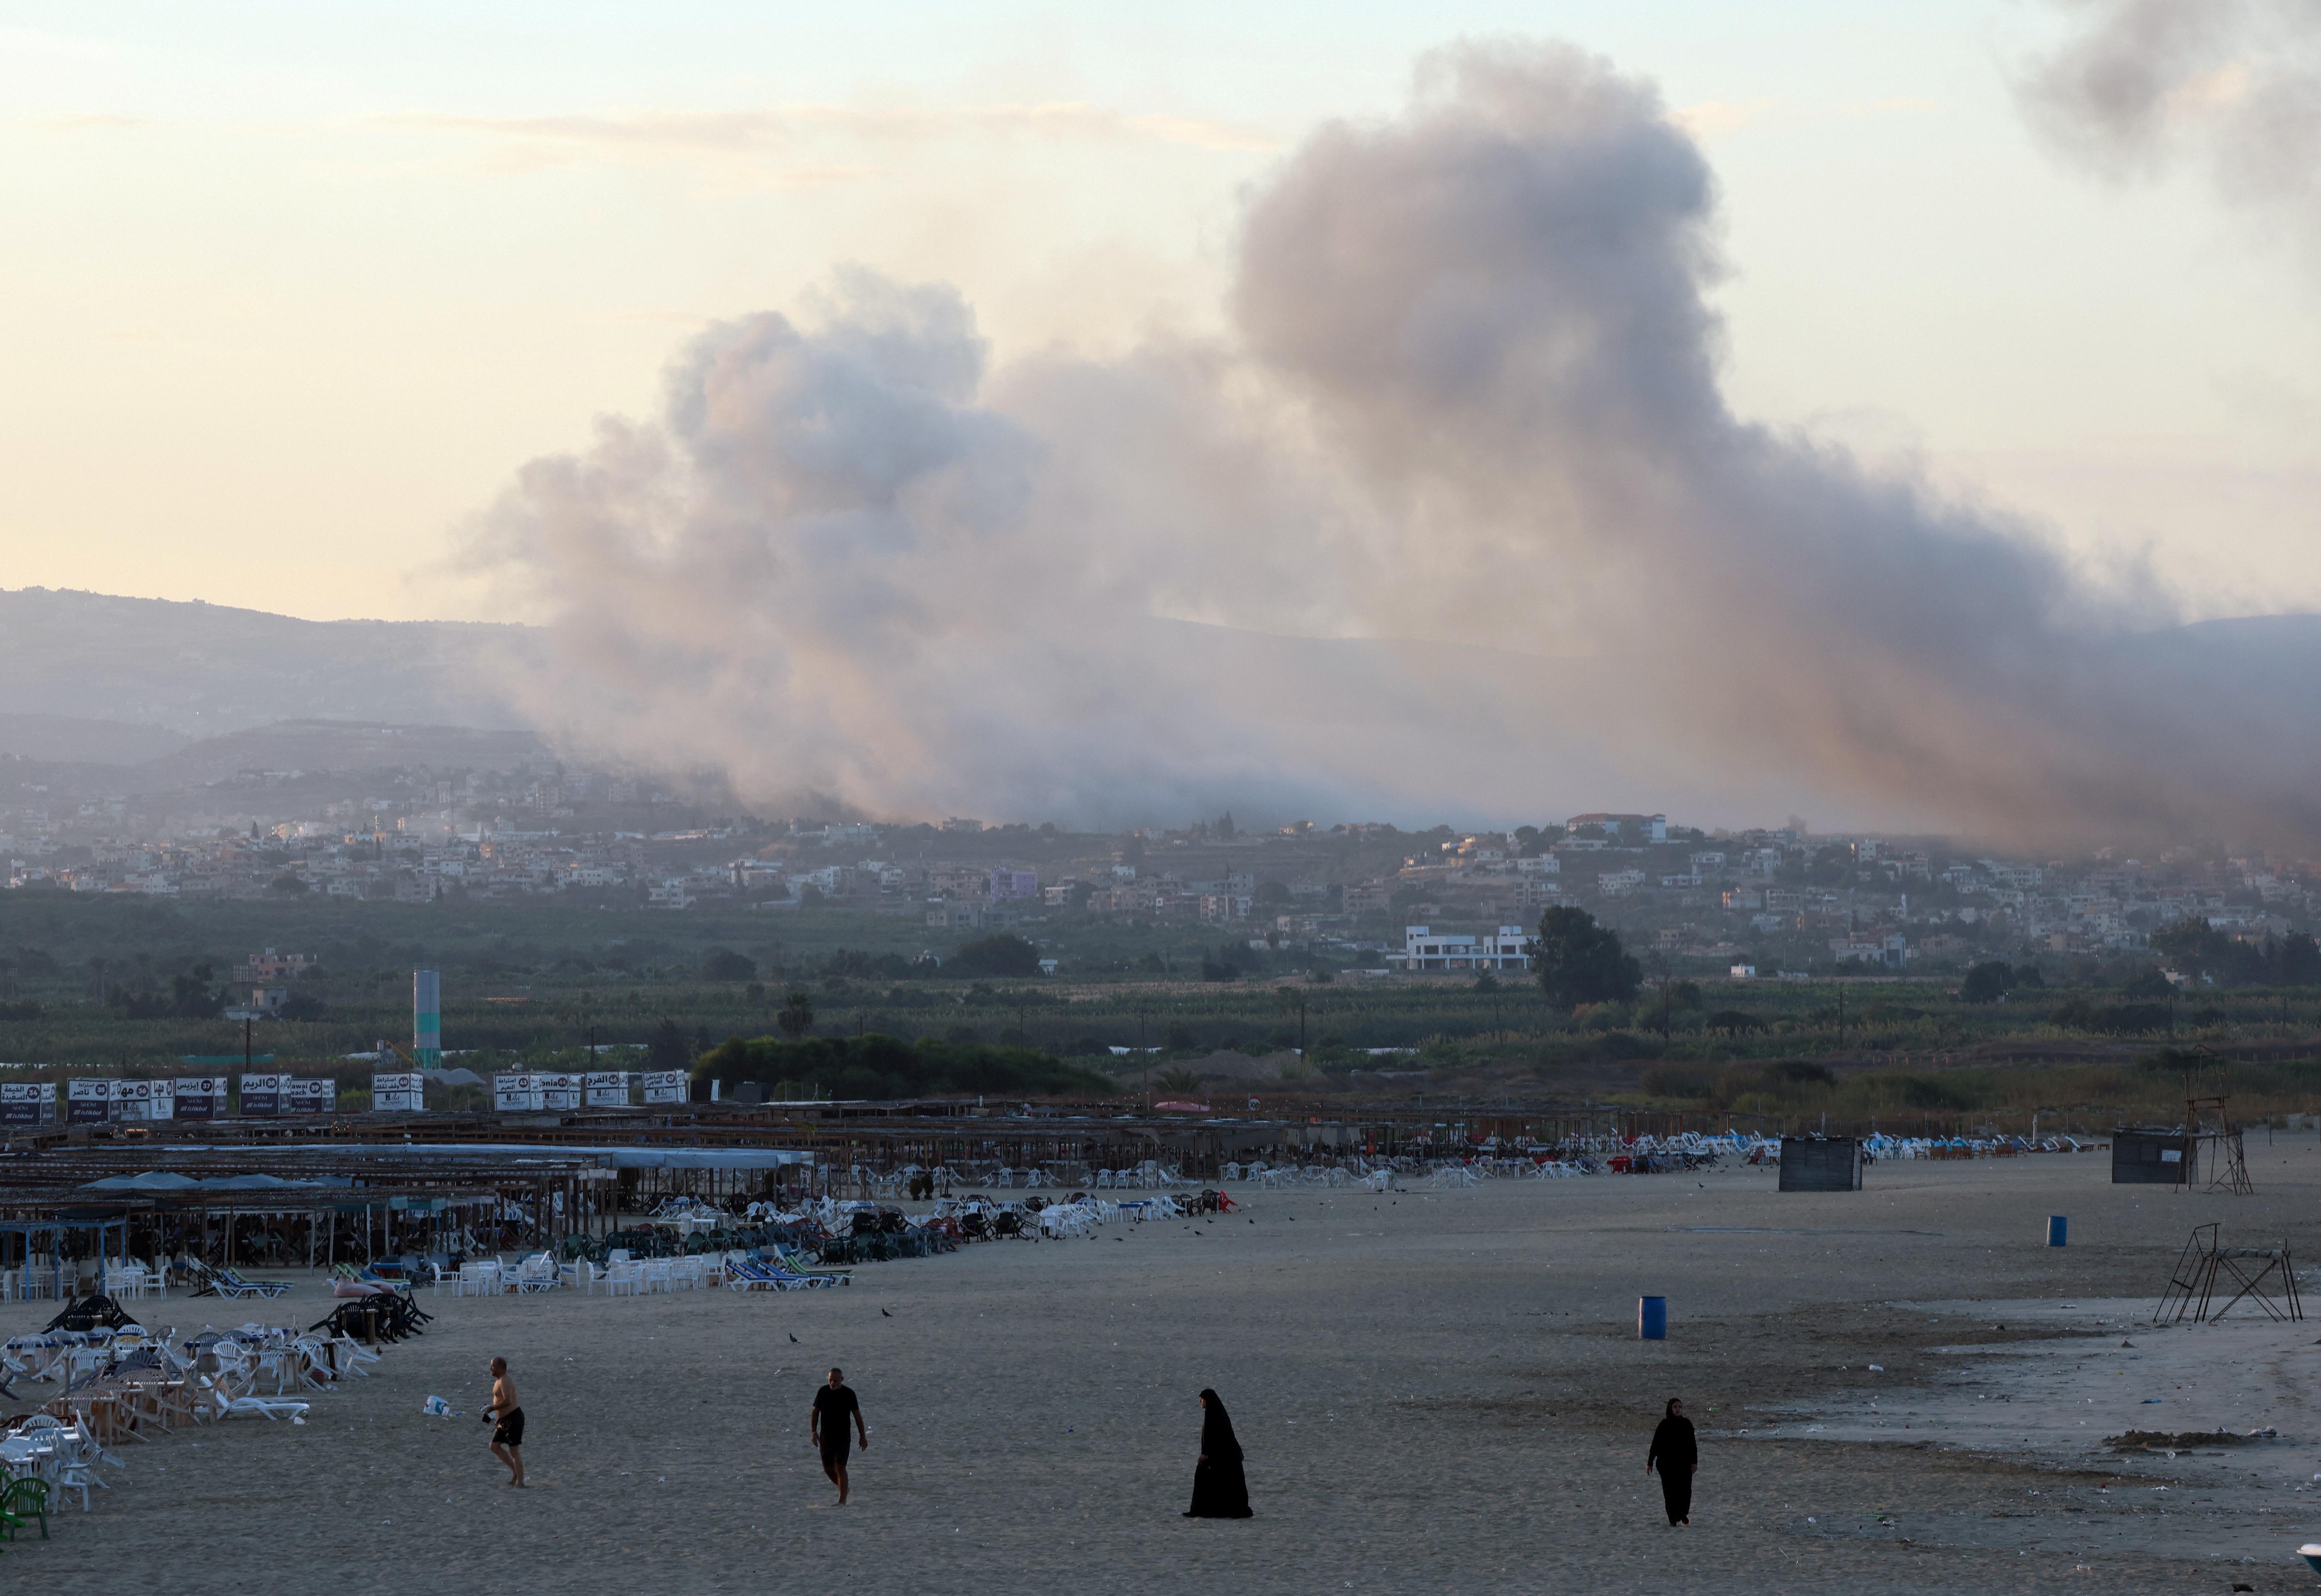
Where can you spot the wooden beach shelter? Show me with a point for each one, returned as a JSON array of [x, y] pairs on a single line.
[[111, 1226]]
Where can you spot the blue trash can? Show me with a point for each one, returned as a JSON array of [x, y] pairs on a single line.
[[2057, 1227], [1651, 1319]]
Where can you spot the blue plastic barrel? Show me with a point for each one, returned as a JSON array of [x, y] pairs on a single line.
[[1651, 1319], [2057, 1227]]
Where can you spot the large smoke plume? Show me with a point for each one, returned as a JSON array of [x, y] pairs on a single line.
[[1471, 403]]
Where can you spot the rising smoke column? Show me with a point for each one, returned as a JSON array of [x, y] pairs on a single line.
[[1494, 308], [1471, 396], [833, 567]]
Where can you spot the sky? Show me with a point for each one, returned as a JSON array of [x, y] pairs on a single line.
[[294, 290]]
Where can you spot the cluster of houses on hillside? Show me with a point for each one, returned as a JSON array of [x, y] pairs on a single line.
[[1675, 890]]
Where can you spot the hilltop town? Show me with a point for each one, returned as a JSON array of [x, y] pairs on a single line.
[[1757, 902]]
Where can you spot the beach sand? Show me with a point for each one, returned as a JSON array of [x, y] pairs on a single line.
[[1436, 1392]]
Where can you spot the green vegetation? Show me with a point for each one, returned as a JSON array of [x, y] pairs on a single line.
[[1906, 1101], [91, 982], [1579, 961], [1005, 955], [873, 1066]]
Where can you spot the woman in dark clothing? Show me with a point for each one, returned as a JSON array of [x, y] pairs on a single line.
[[1678, 1454], [1220, 1489]]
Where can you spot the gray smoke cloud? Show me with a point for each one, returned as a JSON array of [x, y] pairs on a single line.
[[1457, 515], [2139, 85]]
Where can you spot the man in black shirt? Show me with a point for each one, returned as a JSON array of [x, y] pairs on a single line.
[[826, 1428]]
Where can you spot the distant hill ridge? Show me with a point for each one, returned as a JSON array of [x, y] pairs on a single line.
[[128, 671]]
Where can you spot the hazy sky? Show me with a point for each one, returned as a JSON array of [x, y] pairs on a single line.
[[291, 290]]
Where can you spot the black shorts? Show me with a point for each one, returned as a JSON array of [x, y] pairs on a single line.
[[834, 1449], [509, 1430]]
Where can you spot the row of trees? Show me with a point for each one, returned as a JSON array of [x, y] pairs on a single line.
[[2199, 950], [1003, 955]]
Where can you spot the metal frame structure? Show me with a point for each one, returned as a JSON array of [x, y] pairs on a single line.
[[2204, 1265], [2227, 1165]]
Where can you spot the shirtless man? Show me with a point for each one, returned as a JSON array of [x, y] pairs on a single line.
[[826, 1428], [507, 1435]]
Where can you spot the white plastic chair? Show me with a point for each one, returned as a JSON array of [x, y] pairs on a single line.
[[348, 1355], [29, 1454]]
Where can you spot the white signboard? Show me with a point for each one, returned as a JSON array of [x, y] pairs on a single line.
[[262, 1095], [199, 1096], [310, 1097], [559, 1091], [664, 1086], [608, 1089], [88, 1102], [27, 1102], [133, 1099], [516, 1094], [401, 1093]]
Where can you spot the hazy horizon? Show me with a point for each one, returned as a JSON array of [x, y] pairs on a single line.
[[1047, 415]]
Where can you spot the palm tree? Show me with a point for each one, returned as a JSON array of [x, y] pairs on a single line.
[[796, 1016]]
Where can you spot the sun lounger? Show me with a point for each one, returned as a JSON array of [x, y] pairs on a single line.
[[224, 1280], [747, 1274], [783, 1258], [804, 1277]]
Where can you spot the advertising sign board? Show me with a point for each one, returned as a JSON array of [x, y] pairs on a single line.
[[403, 1093], [261, 1096], [21, 1101]]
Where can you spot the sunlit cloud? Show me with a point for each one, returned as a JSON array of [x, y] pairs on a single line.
[[83, 122], [658, 136], [1717, 119], [34, 41]]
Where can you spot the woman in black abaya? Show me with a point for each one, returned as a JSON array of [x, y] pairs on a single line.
[[1678, 1454], [1220, 1489]]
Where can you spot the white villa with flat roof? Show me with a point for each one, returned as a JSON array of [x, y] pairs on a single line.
[[1424, 949]]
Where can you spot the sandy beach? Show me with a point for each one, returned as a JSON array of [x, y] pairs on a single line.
[[1437, 1390]]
